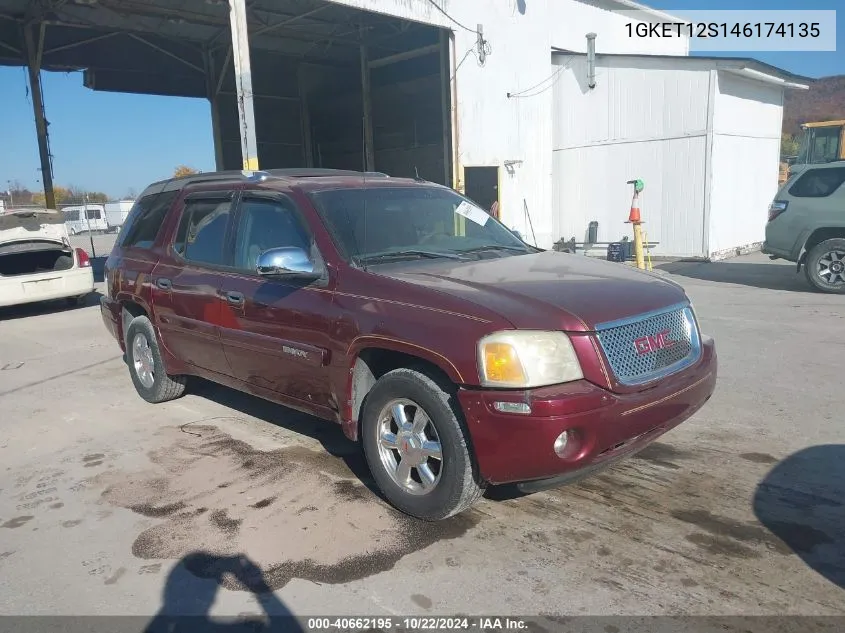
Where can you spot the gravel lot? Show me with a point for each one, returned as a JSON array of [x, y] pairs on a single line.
[[109, 505]]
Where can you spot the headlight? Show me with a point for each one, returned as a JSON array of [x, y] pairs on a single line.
[[527, 358]]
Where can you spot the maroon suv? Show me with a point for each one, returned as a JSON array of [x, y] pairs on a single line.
[[460, 355]]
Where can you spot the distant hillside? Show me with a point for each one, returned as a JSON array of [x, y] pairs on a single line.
[[824, 101]]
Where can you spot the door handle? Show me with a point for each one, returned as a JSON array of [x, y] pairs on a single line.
[[235, 298], [163, 283]]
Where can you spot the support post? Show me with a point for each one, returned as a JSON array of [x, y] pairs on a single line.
[[457, 169], [305, 119], [445, 116], [369, 154], [33, 59], [212, 95], [243, 82]]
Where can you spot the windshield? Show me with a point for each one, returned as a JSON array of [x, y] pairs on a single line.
[[412, 222]]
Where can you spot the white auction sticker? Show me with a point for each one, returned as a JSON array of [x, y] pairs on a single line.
[[471, 212]]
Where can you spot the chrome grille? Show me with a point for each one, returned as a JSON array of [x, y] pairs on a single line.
[[652, 345]]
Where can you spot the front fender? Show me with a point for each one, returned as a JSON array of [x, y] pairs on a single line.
[[385, 342]]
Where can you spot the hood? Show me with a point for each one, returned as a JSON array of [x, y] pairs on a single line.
[[32, 224], [548, 290]]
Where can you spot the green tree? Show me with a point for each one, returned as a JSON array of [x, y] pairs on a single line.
[[789, 145], [184, 170]]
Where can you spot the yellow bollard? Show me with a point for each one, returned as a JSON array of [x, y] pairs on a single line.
[[635, 220], [638, 245]]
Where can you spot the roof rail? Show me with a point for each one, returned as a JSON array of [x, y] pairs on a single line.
[[317, 172], [174, 184]]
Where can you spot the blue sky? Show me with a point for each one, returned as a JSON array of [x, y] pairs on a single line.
[[116, 142], [809, 64]]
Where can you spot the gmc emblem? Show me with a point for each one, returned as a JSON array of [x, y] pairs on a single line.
[[653, 342]]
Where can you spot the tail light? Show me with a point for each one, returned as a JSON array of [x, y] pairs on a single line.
[[776, 208], [82, 258]]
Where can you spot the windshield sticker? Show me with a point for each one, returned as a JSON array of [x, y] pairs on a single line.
[[471, 212]]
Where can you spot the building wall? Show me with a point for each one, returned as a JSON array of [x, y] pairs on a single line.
[[746, 150], [571, 20], [493, 127], [645, 118]]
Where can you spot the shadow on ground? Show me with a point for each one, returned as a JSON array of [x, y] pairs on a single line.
[[48, 307], [191, 589], [802, 502], [327, 433], [770, 276]]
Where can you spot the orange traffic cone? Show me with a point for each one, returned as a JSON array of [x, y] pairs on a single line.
[[634, 215]]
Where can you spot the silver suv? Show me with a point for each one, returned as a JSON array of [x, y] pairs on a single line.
[[807, 225]]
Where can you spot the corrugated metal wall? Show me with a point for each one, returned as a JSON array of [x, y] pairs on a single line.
[[644, 119], [746, 151]]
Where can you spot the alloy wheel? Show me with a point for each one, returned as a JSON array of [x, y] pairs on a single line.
[[409, 446], [142, 360], [831, 267]]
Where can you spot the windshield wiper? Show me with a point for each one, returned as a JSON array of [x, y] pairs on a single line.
[[411, 253], [494, 247]]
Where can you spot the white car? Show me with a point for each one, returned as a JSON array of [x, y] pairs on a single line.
[[37, 262]]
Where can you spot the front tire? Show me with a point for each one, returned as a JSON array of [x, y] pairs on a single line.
[[416, 446], [151, 381], [825, 266]]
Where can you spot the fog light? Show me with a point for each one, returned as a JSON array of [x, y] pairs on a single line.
[[561, 442], [512, 407]]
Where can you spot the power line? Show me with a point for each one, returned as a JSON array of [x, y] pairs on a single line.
[[463, 59], [437, 6], [554, 77]]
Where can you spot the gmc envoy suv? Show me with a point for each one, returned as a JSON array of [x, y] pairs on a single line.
[[459, 355]]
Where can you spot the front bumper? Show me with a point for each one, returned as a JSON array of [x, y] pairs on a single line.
[[604, 426], [48, 286]]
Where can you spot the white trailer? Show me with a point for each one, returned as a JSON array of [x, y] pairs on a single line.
[[116, 213], [87, 218]]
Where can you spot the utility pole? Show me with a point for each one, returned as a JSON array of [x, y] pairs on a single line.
[[33, 61], [88, 224]]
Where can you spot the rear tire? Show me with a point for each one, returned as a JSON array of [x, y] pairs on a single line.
[[430, 488], [824, 266], [151, 381]]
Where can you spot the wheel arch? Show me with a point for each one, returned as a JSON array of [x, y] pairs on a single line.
[[371, 359], [817, 236], [129, 309]]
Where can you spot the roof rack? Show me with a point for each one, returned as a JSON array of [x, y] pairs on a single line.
[[260, 175], [317, 172]]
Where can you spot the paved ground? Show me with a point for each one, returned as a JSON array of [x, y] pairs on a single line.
[[109, 505]]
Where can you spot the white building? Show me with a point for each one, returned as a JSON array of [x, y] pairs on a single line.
[[489, 96], [703, 133]]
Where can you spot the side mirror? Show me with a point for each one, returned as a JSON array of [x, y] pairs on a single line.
[[518, 234], [285, 261]]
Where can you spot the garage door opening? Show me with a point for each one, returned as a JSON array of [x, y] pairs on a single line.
[[318, 80], [306, 60]]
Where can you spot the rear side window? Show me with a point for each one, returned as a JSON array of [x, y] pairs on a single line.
[[201, 236], [145, 219], [818, 183]]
